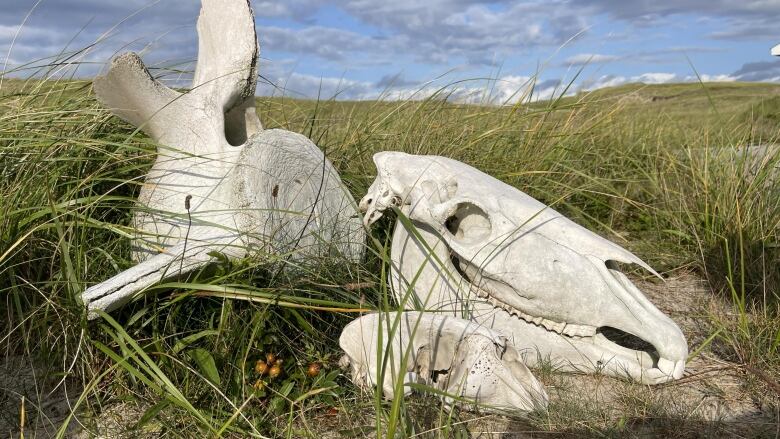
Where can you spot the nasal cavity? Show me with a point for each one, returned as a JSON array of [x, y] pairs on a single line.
[[627, 340], [625, 268], [469, 222]]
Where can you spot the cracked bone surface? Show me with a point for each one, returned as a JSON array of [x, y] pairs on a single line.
[[459, 357], [482, 249], [220, 182]]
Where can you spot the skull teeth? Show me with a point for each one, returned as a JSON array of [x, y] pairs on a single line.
[[568, 329], [579, 330]]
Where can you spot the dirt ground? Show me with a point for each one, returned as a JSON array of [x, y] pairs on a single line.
[[33, 402]]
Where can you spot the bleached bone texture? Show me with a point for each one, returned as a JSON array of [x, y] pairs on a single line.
[[466, 361], [481, 249], [221, 183]]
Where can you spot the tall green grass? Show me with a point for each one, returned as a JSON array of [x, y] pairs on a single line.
[[653, 168]]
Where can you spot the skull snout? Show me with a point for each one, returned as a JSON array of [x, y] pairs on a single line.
[[639, 317], [549, 285]]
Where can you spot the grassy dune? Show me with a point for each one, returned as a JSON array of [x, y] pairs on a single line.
[[671, 172]]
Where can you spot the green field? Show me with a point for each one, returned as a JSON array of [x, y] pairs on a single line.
[[684, 175]]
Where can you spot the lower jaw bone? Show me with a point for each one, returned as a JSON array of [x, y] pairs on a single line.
[[459, 357], [589, 354]]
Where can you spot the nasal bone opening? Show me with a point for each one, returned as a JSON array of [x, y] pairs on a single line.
[[625, 268], [618, 336], [629, 341]]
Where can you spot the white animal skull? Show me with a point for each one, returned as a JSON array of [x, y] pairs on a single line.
[[221, 183], [462, 358], [483, 250]]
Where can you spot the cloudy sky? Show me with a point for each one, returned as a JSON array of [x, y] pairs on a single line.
[[362, 49]]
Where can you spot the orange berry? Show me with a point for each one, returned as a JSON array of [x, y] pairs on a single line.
[[270, 358], [259, 384], [313, 370], [275, 371], [261, 367]]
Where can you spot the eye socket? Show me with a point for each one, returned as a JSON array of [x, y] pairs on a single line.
[[469, 223]]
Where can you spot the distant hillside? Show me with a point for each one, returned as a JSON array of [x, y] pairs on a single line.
[[701, 107]]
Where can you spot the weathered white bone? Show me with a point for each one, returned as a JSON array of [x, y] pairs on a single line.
[[482, 249], [220, 183], [465, 360]]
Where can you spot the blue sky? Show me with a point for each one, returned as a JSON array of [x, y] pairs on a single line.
[[362, 49]]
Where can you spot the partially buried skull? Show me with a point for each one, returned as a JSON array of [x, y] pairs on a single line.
[[464, 360]]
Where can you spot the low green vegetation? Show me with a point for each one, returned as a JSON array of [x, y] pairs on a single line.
[[673, 172]]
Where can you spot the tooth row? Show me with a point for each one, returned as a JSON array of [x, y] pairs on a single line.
[[571, 330], [579, 330], [482, 293]]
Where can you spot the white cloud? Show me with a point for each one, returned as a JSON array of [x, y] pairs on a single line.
[[747, 19], [327, 43], [478, 32], [590, 58], [603, 82], [650, 78], [758, 71], [506, 90], [511, 88], [655, 78], [272, 9], [711, 78]]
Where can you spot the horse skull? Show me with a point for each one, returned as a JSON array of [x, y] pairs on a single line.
[[484, 250]]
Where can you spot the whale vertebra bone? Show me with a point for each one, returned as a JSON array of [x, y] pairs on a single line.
[[220, 182]]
